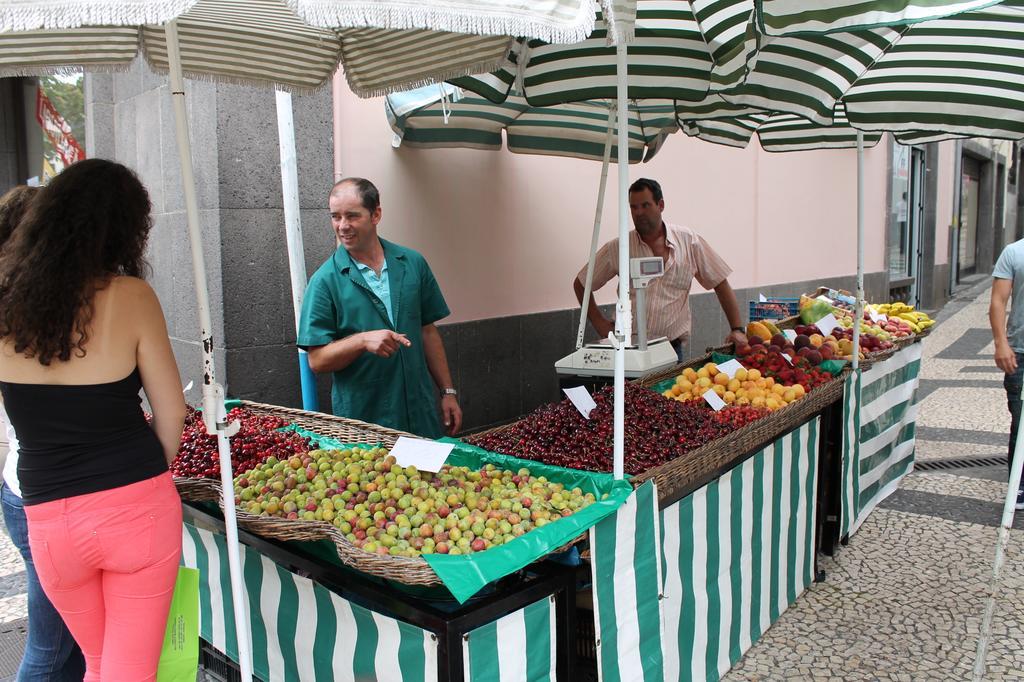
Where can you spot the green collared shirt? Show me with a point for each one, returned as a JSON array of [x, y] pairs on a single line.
[[396, 392]]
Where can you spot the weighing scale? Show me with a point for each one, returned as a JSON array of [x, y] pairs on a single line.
[[642, 356]]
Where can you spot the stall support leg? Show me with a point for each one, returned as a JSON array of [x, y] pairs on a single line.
[[450, 665], [565, 629], [830, 483]]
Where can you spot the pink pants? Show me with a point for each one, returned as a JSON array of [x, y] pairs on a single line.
[[108, 562]]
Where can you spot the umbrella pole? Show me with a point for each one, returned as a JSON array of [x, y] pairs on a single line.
[[623, 314], [1002, 541], [858, 311], [588, 288], [293, 234], [214, 414]]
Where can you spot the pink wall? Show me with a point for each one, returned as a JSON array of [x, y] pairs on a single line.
[[945, 190], [505, 233]]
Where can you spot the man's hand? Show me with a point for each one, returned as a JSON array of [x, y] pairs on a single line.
[[735, 337], [1006, 359], [384, 342], [452, 414]]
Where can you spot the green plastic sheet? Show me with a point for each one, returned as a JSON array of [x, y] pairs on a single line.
[[465, 574]]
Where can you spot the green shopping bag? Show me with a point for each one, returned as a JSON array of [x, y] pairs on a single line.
[[179, 659]]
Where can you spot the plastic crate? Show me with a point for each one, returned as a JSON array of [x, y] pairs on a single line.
[[215, 666], [775, 308]]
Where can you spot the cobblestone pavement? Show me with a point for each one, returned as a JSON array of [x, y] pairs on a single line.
[[903, 600]]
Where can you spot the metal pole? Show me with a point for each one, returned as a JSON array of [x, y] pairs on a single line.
[[213, 394], [623, 314], [588, 287], [858, 310], [997, 565], [293, 234]]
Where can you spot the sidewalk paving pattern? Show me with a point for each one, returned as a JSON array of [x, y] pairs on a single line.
[[903, 600]]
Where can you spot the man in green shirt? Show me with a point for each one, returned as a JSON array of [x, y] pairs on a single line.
[[368, 318]]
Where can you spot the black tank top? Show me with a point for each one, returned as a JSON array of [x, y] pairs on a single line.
[[79, 439]]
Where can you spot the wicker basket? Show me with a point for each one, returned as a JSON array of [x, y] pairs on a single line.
[[283, 529], [197, 489], [406, 570], [697, 467], [694, 469], [342, 428]]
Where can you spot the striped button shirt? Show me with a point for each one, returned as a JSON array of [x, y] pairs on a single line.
[[668, 297]]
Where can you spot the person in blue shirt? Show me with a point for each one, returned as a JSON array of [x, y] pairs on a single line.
[[368, 317], [1008, 335]]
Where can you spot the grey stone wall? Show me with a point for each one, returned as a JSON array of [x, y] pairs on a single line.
[[9, 134], [236, 159]]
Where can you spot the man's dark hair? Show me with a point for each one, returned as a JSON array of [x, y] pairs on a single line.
[[646, 183], [369, 195]]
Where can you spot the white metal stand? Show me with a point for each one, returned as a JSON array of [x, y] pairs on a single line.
[[214, 415], [623, 315], [588, 287]]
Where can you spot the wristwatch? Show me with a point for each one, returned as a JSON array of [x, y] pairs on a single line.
[[448, 391], [738, 329]]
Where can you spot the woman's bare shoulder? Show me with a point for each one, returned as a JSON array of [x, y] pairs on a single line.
[[132, 290]]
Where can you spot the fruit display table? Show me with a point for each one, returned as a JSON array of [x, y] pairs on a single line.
[[312, 619], [879, 417], [697, 562]]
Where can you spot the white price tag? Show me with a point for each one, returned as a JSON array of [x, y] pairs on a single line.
[[581, 398], [730, 367], [789, 334], [877, 317], [714, 400], [761, 298], [425, 455], [827, 324]]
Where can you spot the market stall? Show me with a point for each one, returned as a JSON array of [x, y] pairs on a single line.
[[713, 538]]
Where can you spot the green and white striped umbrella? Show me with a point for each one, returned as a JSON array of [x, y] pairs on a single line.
[[958, 76], [781, 17], [425, 119], [668, 59], [557, 21], [779, 132], [385, 45], [259, 42], [803, 75]]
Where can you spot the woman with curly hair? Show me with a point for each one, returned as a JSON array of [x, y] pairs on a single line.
[[80, 335], [51, 654]]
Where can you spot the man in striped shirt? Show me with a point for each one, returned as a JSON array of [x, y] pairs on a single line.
[[687, 256]]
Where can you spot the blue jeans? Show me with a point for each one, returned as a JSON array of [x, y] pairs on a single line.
[[1013, 384], [51, 653]]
